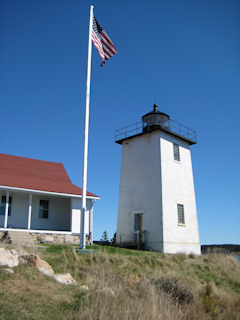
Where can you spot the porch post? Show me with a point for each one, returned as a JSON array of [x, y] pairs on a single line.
[[91, 224], [29, 211], [6, 210]]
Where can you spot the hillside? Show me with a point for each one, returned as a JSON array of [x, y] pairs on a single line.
[[123, 284]]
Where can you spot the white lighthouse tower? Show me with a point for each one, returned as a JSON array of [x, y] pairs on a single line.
[[157, 207]]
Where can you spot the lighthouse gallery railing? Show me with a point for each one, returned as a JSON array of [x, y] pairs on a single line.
[[169, 126]]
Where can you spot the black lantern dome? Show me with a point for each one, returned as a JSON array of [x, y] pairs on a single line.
[[155, 120]]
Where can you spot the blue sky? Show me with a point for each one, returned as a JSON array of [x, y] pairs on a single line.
[[184, 53]]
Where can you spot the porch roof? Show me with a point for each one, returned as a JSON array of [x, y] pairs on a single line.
[[26, 173]]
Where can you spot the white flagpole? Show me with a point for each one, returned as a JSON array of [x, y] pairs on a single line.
[[85, 147]]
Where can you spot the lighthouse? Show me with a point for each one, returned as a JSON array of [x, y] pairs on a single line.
[[157, 206]]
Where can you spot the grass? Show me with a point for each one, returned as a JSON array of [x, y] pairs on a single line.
[[124, 284]]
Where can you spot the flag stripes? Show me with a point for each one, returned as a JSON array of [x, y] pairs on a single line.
[[98, 45], [102, 42]]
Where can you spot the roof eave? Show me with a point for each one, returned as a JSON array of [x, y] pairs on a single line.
[[69, 195]]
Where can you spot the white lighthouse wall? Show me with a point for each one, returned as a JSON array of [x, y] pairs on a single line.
[[140, 190], [178, 188]]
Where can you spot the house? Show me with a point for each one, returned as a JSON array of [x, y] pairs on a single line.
[[157, 206], [38, 197]]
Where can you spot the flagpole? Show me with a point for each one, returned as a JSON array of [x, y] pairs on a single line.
[[85, 147]]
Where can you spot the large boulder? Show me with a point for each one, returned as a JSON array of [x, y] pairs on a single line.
[[40, 264], [64, 278], [8, 258]]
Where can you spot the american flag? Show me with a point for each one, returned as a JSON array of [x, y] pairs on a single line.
[[102, 42]]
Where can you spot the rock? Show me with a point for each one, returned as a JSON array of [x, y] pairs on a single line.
[[22, 260], [49, 238], [8, 259], [11, 258], [22, 256], [40, 264], [39, 238], [68, 239], [59, 240], [85, 288], [14, 252], [30, 258], [64, 278], [8, 271], [44, 267], [47, 271]]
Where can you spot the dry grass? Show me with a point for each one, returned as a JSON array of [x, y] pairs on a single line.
[[123, 286]]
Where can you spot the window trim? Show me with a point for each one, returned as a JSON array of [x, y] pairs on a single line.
[[181, 215], [43, 210], [3, 205], [176, 152]]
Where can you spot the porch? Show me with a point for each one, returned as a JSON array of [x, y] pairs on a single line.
[[44, 215]]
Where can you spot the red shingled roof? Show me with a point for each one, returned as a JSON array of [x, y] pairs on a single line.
[[26, 173]]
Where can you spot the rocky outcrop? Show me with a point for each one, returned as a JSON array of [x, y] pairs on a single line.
[[8, 258], [40, 264], [12, 258]]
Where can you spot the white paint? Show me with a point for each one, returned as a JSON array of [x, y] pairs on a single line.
[[6, 210], [152, 183], [76, 214], [178, 188], [91, 225], [29, 211], [63, 214], [86, 128], [58, 217]]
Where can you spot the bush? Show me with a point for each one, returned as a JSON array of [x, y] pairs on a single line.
[[178, 293], [208, 300]]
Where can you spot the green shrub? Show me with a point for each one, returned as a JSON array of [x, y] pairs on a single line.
[[208, 300]]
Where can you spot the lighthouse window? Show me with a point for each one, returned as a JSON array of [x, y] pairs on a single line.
[[181, 219], [176, 152]]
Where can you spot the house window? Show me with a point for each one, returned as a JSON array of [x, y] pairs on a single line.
[[43, 209], [181, 219], [3, 206], [176, 152]]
